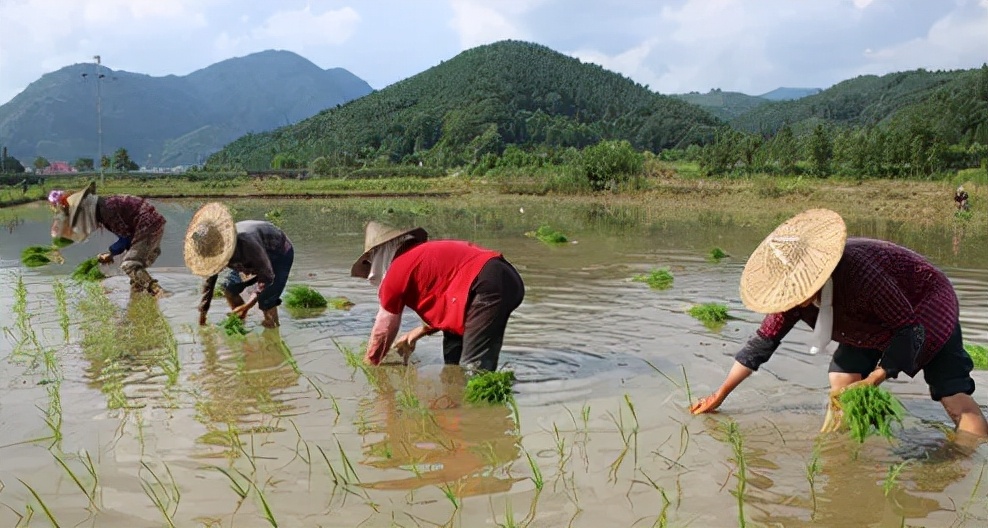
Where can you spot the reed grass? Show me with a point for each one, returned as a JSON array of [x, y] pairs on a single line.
[[657, 279]]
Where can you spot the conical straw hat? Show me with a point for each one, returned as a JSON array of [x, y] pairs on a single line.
[[210, 240], [377, 234], [76, 198], [793, 262]]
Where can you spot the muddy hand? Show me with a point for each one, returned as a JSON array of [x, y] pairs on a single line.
[[104, 258], [404, 349], [705, 405], [834, 418]]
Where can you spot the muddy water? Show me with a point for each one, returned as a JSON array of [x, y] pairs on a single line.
[[179, 422]]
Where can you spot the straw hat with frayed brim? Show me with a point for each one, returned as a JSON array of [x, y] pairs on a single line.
[[375, 235], [210, 240], [75, 199], [793, 262]]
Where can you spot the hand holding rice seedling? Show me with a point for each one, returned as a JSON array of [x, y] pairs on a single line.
[[490, 387], [866, 410]]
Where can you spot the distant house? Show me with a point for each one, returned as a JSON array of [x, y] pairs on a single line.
[[57, 167]]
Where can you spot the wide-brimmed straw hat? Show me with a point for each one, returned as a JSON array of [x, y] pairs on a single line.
[[76, 198], [793, 262], [377, 234], [210, 240]]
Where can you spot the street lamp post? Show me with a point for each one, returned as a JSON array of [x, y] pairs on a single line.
[[99, 117]]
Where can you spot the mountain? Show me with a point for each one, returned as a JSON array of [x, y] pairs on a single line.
[[506, 93], [724, 105], [861, 101], [170, 120], [789, 94]]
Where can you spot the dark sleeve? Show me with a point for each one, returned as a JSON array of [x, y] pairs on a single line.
[[207, 294], [756, 351], [122, 244], [903, 350]]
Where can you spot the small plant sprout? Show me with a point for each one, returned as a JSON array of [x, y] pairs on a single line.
[[548, 235], [712, 315], [892, 477], [658, 279], [536, 472], [813, 468], [741, 467], [449, 491]]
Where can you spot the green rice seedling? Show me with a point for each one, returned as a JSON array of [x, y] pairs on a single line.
[[979, 355], [741, 472], [273, 216], [869, 410], [406, 400], [716, 254], [90, 494], [536, 472], [657, 279], [489, 387], [450, 493], [662, 520], [686, 380], [304, 297], [36, 256], [88, 270], [813, 468], [548, 235], [268, 514], [893, 476], [509, 517], [61, 302], [164, 496], [44, 507], [712, 315], [240, 489], [61, 242], [233, 325], [340, 303]]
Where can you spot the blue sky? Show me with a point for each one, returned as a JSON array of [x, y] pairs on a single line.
[[673, 46]]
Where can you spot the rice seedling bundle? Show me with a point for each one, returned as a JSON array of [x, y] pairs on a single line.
[[299, 296], [489, 387], [88, 270], [60, 242], [716, 254], [868, 410], [548, 235], [35, 256], [709, 313], [659, 279], [233, 325]]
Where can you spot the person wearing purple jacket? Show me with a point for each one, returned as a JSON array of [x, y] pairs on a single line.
[[890, 310], [136, 223], [257, 253]]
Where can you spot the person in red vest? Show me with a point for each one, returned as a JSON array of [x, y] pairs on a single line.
[[466, 291]]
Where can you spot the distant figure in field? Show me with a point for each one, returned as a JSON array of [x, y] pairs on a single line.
[[961, 199]]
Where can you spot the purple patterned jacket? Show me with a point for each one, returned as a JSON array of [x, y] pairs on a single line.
[[879, 289]]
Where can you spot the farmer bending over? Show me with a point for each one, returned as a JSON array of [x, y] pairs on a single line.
[[138, 226], [889, 309], [961, 199], [253, 248], [464, 290]]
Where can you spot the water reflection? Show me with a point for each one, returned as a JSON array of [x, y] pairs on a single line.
[[133, 355], [242, 383], [421, 427]]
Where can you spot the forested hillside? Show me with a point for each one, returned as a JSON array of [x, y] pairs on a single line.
[[475, 104], [724, 105]]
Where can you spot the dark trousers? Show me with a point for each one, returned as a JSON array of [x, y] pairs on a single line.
[[270, 297], [494, 294]]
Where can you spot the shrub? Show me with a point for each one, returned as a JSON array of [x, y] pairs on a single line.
[[610, 162]]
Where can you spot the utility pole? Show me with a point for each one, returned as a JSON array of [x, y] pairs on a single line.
[[99, 117]]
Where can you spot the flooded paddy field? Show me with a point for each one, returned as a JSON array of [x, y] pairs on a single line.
[[123, 412]]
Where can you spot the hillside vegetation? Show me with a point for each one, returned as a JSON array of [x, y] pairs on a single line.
[[476, 104], [168, 120]]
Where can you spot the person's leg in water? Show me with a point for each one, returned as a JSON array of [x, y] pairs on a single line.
[[948, 375], [495, 294], [141, 256], [281, 266]]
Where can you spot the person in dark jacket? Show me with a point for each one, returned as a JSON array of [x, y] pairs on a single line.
[[138, 226], [257, 253]]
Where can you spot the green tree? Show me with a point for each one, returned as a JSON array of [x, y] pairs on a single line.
[[821, 150], [285, 161], [40, 163], [321, 166], [10, 164], [784, 150], [122, 161], [104, 162], [83, 164], [610, 162]]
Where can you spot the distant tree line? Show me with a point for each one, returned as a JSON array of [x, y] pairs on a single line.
[[120, 162]]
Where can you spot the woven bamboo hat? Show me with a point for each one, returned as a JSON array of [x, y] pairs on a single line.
[[76, 198], [210, 240], [793, 262], [377, 234]]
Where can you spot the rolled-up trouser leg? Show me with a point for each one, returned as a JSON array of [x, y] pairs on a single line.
[[496, 292], [138, 258]]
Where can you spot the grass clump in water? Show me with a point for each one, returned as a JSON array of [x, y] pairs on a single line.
[[979, 355], [716, 254], [490, 387], [548, 235], [340, 303], [88, 271], [659, 279], [233, 325], [35, 256], [304, 297], [710, 314], [868, 410]]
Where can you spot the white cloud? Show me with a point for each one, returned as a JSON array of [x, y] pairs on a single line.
[[302, 28], [958, 40], [478, 22]]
